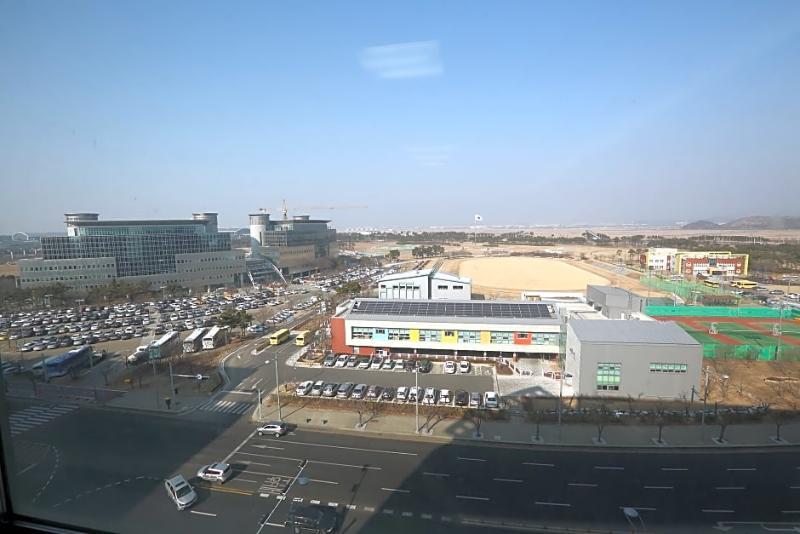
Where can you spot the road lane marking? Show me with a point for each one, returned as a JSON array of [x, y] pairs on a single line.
[[643, 508], [790, 511], [508, 480], [741, 469], [388, 511], [241, 392], [229, 490], [427, 473], [322, 481], [794, 487], [314, 501], [257, 383], [369, 508], [274, 524], [259, 446], [716, 511], [426, 516], [248, 462], [471, 459], [350, 506], [370, 467], [333, 504], [543, 503], [536, 464], [674, 468], [269, 456], [609, 467], [395, 490], [472, 498], [349, 448], [234, 451], [729, 488], [202, 513], [407, 514], [659, 487], [244, 480], [582, 484]]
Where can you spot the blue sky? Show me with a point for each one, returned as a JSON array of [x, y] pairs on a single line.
[[427, 112]]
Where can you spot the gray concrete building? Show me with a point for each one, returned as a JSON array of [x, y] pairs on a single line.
[[191, 253], [615, 302], [641, 359]]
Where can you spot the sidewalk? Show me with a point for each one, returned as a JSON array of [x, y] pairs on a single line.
[[519, 431]]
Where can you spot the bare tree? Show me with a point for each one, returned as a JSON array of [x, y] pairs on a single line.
[[660, 416], [476, 417], [601, 421], [723, 425]]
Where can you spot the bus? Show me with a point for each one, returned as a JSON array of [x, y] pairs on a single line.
[[302, 338], [167, 345], [63, 364], [279, 337], [215, 337], [744, 284], [711, 283], [194, 341]]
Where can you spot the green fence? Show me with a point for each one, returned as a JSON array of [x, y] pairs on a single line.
[[718, 311], [685, 289], [750, 352]]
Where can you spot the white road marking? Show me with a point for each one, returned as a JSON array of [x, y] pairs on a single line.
[[369, 508], [538, 464], [716, 511], [350, 506], [270, 456], [322, 481], [729, 488], [741, 469], [542, 503], [202, 513], [674, 468], [314, 501], [395, 490], [257, 383], [275, 524], [370, 467], [794, 487], [790, 511], [508, 480], [609, 467], [659, 487], [259, 446], [471, 459], [350, 448], [388, 511], [244, 480], [333, 504], [471, 498], [427, 473], [582, 484], [407, 514], [426, 516]]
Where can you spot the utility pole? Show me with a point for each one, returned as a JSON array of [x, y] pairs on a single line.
[[171, 382], [416, 399], [705, 400], [277, 389]]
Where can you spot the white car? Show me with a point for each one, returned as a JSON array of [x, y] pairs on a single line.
[[430, 396], [304, 388], [377, 362], [464, 366], [444, 397], [449, 367], [490, 400], [402, 393], [316, 389], [388, 364], [399, 365], [341, 361], [218, 472], [414, 393]]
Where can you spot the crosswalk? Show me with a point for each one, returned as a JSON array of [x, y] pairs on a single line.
[[34, 416], [230, 407]]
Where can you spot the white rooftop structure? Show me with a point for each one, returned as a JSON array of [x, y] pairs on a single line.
[[424, 284]]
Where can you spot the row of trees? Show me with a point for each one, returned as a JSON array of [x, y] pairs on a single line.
[[427, 251], [234, 318]]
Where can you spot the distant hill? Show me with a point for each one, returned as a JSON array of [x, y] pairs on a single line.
[[756, 222]]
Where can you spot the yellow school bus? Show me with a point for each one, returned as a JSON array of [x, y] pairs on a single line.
[[302, 339], [279, 337]]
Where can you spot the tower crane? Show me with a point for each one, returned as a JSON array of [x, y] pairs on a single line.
[[285, 209]]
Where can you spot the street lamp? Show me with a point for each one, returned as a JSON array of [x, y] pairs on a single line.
[[416, 398], [277, 388]]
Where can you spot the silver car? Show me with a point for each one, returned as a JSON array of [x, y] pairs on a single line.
[[218, 472], [182, 494], [276, 428]]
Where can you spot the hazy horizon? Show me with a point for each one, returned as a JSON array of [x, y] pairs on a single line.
[[527, 113]]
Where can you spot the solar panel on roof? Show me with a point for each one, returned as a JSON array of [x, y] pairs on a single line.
[[459, 309]]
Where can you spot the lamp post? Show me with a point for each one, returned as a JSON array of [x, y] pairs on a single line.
[[416, 398], [277, 388]]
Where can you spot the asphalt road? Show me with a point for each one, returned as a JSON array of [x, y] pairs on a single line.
[[104, 469]]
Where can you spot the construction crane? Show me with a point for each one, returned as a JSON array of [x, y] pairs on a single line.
[[285, 209]]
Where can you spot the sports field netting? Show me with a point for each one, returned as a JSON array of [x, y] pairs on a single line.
[[682, 288]]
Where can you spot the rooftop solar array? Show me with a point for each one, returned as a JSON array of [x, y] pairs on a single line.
[[433, 308]]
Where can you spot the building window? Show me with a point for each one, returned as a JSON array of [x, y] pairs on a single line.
[[669, 368], [469, 336], [430, 335], [441, 287], [522, 335], [399, 334], [458, 287], [608, 376], [501, 338], [361, 333]]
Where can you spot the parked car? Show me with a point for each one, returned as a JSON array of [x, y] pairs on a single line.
[[399, 365], [449, 367], [402, 393], [329, 390], [464, 366], [359, 391], [474, 400], [490, 400], [424, 366], [276, 428], [461, 398], [430, 396], [374, 392], [376, 363], [388, 364], [409, 365], [316, 389], [217, 472], [341, 360], [362, 363], [387, 394], [304, 388], [444, 396], [352, 361], [345, 390], [329, 360], [414, 393], [181, 493]]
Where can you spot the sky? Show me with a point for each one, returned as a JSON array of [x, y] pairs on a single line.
[[426, 112]]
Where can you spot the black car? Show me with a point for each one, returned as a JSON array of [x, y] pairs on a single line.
[[311, 518], [461, 398], [387, 394], [425, 366], [409, 365]]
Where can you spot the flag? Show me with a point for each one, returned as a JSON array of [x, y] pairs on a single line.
[[478, 218]]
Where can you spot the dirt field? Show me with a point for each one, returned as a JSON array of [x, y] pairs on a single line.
[[508, 276], [9, 269], [752, 382]]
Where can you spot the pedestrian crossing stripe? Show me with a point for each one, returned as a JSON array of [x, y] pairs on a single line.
[[230, 407], [33, 416]]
